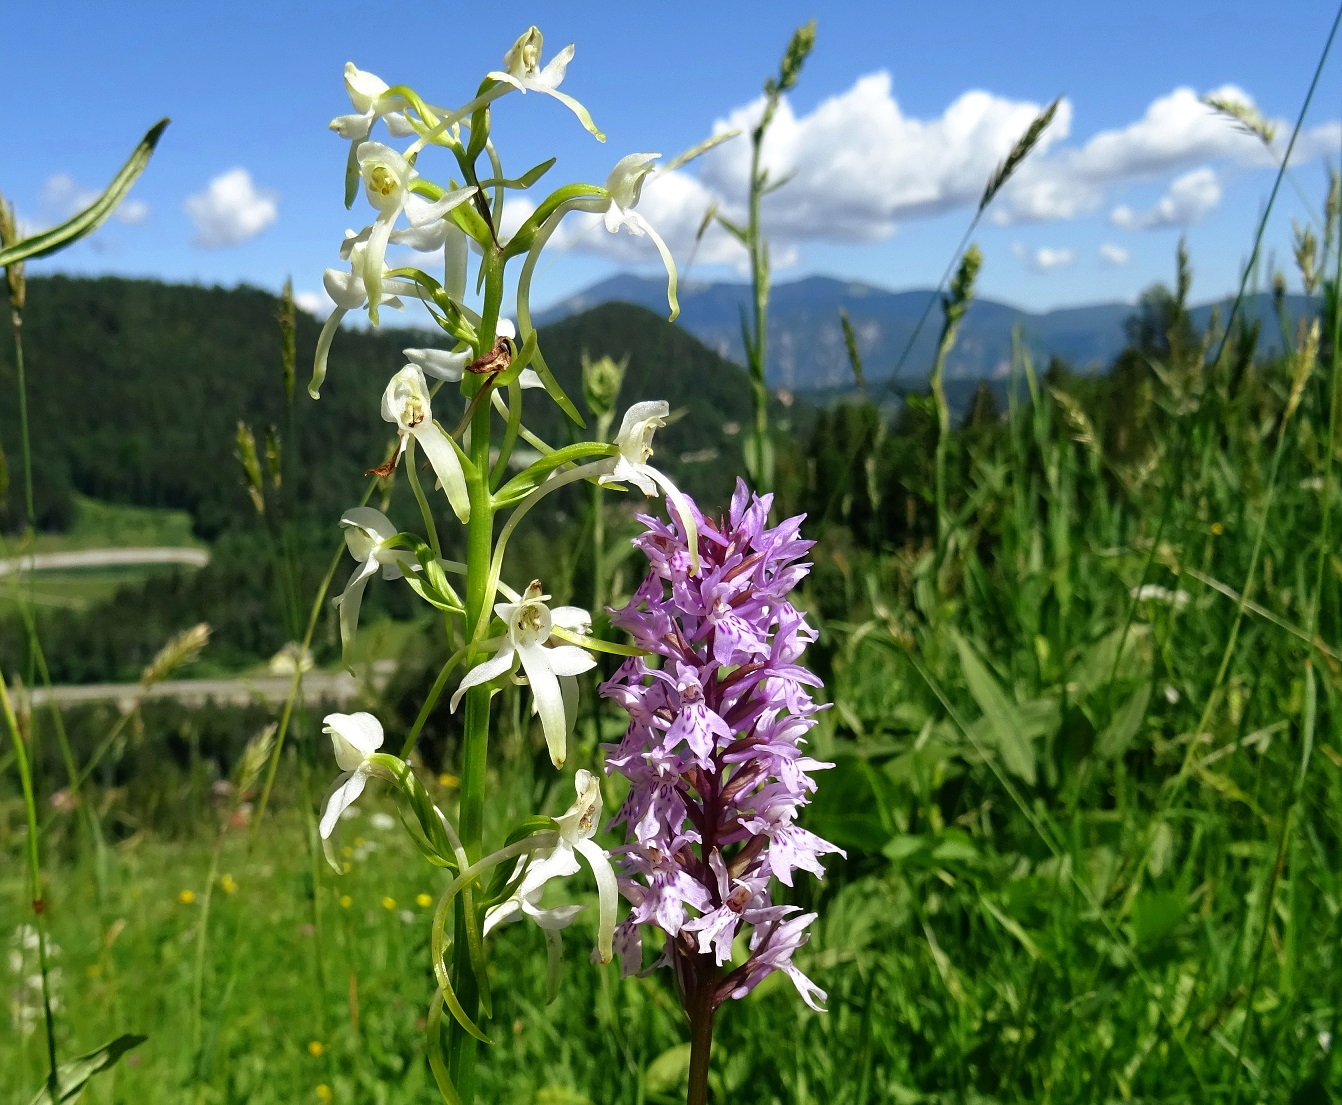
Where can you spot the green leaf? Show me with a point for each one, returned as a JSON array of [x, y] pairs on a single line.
[[1115, 738], [72, 1076], [668, 1072], [93, 216], [1004, 720]]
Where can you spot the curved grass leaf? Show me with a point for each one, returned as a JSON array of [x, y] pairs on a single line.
[[71, 1077], [93, 216]]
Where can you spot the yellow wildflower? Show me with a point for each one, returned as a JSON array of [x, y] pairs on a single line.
[[315, 1049], [324, 1093], [423, 900], [186, 897], [228, 884], [448, 780], [388, 902], [346, 901]]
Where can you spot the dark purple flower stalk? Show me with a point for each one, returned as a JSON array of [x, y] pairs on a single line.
[[714, 759]]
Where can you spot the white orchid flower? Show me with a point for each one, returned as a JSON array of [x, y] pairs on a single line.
[[369, 95], [442, 365], [577, 825], [550, 670], [625, 187], [367, 532], [523, 71], [356, 738], [630, 465], [406, 403]]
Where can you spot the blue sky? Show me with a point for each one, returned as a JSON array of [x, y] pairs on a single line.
[[902, 110]]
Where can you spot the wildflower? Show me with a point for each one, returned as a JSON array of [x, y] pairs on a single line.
[[713, 752], [624, 188], [547, 667], [228, 884], [443, 365], [1153, 592], [367, 536], [423, 900], [324, 1094], [349, 292], [406, 403], [448, 781], [631, 465], [186, 897], [522, 70], [1217, 529], [316, 1048], [389, 903], [346, 901], [577, 825], [356, 738], [369, 95]]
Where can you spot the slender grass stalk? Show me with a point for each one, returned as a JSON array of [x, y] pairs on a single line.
[[34, 881]]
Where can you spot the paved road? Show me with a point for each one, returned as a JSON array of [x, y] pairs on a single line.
[[318, 686], [106, 558]]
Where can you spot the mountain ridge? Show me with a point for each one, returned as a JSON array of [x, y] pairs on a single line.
[[806, 344]]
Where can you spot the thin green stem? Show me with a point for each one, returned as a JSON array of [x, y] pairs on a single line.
[[412, 474], [34, 880], [16, 316]]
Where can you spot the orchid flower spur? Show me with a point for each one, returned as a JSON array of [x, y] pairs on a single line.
[[406, 403], [550, 669], [443, 365], [523, 71], [367, 532], [357, 738], [624, 188], [631, 465], [369, 95], [577, 825]]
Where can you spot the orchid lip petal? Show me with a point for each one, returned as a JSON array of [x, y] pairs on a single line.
[[548, 700], [502, 661]]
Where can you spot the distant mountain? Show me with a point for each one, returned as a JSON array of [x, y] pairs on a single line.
[[806, 347]]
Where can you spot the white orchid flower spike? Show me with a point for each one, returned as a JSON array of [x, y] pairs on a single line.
[[356, 738], [523, 71], [369, 95], [406, 403], [367, 532], [550, 669], [442, 365], [577, 825], [630, 465]]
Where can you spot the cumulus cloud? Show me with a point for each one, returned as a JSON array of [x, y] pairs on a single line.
[[63, 197], [858, 166], [231, 209], [1114, 256], [314, 303], [1044, 258], [1189, 198]]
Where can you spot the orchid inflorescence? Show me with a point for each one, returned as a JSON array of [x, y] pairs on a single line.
[[747, 750], [713, 753]]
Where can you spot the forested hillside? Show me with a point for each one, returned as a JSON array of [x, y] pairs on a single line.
[[135, 389]]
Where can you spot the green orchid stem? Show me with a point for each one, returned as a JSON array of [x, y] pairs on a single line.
[[462, 1047]]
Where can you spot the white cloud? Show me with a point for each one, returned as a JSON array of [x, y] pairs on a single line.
[[1188, 199], [1044, 258], [1114, 256], [314, 303], [63, 196], [231, 210], [858, 166]]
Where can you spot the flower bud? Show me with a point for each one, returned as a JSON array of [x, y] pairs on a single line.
[[601, 383]]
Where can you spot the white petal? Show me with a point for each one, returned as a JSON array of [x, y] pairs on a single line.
[[569, 660], [446, 466], [323, 351], [502, 661], [684, 513], [633, 219], [398, 126], [353, 127], [553, 74], [371, 520], [529, 378], [573, 618], [439, 363], [422, 239], [429, 212], [350, 600], [505, 329], [374, 264], [347, 789], [456, 255], [503, 912], [607, 893], [355, 736], [553, 919], [549, 702]]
